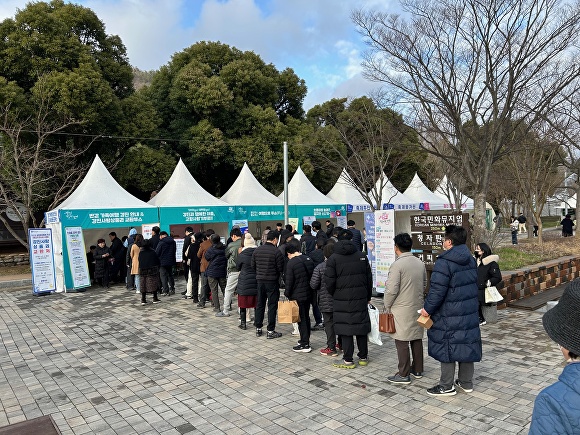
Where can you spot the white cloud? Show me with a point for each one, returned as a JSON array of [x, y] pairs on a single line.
[[315, 38]]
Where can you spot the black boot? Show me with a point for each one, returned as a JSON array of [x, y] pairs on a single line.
[[195, 299], [242, 325]]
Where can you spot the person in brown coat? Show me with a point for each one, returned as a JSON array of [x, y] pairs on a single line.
[[205, 245], [134, 254], [404, 297]]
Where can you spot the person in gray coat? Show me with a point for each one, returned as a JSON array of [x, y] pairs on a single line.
[[404, 297]]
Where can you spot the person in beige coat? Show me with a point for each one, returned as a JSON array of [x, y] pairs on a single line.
[[404, 297], [134, 254]]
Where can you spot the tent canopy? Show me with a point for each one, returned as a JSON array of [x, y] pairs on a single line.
[[302, 192], [419, 192], [247, 190], [343, 192], [181, 190], [446, 190], [100, 190], [394, 199]]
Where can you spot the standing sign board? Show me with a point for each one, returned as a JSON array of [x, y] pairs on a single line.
[[42, 260], [380, 230], [77, 258]]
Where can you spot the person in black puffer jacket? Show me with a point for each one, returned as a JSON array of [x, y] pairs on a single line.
[[193, 267], [487, 270], [217, 269], [325, 304], [268, 262], [348, 278], [298, 274], [247, 285]]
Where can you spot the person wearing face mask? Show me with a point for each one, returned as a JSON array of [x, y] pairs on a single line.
[[487, 270], [556, 408]]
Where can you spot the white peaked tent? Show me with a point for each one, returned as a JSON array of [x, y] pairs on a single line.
[[343, 192], [253, 202], [394, 199], [247, 190], [421, 193], [302, 192], [306, 200], [98, 205], [447, 191], [183, 201], [181, 190]]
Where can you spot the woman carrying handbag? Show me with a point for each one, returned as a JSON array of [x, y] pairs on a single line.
[[487, 270]]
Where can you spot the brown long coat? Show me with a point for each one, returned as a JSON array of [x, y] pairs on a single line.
[[404, 295], [134, 259], [206, 244]]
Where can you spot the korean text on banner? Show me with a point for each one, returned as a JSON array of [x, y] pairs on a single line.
[[42, 260]]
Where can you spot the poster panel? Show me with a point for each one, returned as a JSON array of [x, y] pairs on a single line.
[[179, 251], [146, 230], [371, 252], [77, 257], [384, 246], [42, 260], [242, 225]]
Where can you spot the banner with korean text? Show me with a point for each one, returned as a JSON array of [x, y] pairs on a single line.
[[42, 260], [77, 257]]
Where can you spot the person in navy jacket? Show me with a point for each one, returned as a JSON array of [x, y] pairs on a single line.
[[557, 407], [453, 305]]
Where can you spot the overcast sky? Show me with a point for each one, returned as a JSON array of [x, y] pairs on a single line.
[[314, 37]]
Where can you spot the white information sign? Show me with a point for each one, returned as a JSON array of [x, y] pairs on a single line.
[[179, 252], [77, 257], [42, 260], [147, 230], [384, 246]]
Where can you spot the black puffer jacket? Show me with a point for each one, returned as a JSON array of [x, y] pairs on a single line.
[[166, 251], [487, 269], [218, 264], [349, 280], [307, 243], [317, 256], [325, 299], [247, 284], [194, 260], [298, 273], [357, 238], [268, 262]]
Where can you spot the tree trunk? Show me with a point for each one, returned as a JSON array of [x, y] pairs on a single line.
[[479, 228]]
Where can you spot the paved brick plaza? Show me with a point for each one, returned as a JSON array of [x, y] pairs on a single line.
[[99, 362]]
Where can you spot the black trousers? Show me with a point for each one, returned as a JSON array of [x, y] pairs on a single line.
[[348, 346], [304, 322], [268, 292]]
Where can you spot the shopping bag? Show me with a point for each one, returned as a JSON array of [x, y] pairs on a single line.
[[288, 312], [492, 295], [387, 323], [425, 322], [374, 335]]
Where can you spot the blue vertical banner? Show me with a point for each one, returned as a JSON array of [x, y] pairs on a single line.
[[42, 260]]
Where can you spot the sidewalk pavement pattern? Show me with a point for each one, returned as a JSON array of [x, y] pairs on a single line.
[[100, 363]]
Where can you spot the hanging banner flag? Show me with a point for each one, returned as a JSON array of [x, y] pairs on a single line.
[[42, 260], [77, 257]]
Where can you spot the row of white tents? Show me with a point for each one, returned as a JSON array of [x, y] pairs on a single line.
[[100, 205]]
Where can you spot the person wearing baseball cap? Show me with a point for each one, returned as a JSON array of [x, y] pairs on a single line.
[[557, 407]]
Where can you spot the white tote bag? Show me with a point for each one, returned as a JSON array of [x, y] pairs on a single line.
[[492, 295], [374, 335]]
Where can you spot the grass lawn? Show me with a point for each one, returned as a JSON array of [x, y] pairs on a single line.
[[529, 251]]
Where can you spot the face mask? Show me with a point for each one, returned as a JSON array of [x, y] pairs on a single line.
[[476, 254]]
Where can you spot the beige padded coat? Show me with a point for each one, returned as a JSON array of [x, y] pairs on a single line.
[[404, 295]]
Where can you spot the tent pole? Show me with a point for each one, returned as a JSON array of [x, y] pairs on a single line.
[[285, 182]]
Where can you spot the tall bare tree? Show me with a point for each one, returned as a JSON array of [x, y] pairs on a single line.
[[36, 169], [371, 143], [472, 72]]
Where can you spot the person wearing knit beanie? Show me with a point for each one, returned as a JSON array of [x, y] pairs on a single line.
[[557, 407]]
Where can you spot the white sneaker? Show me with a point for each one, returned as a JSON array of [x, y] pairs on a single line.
[[137, 291]]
